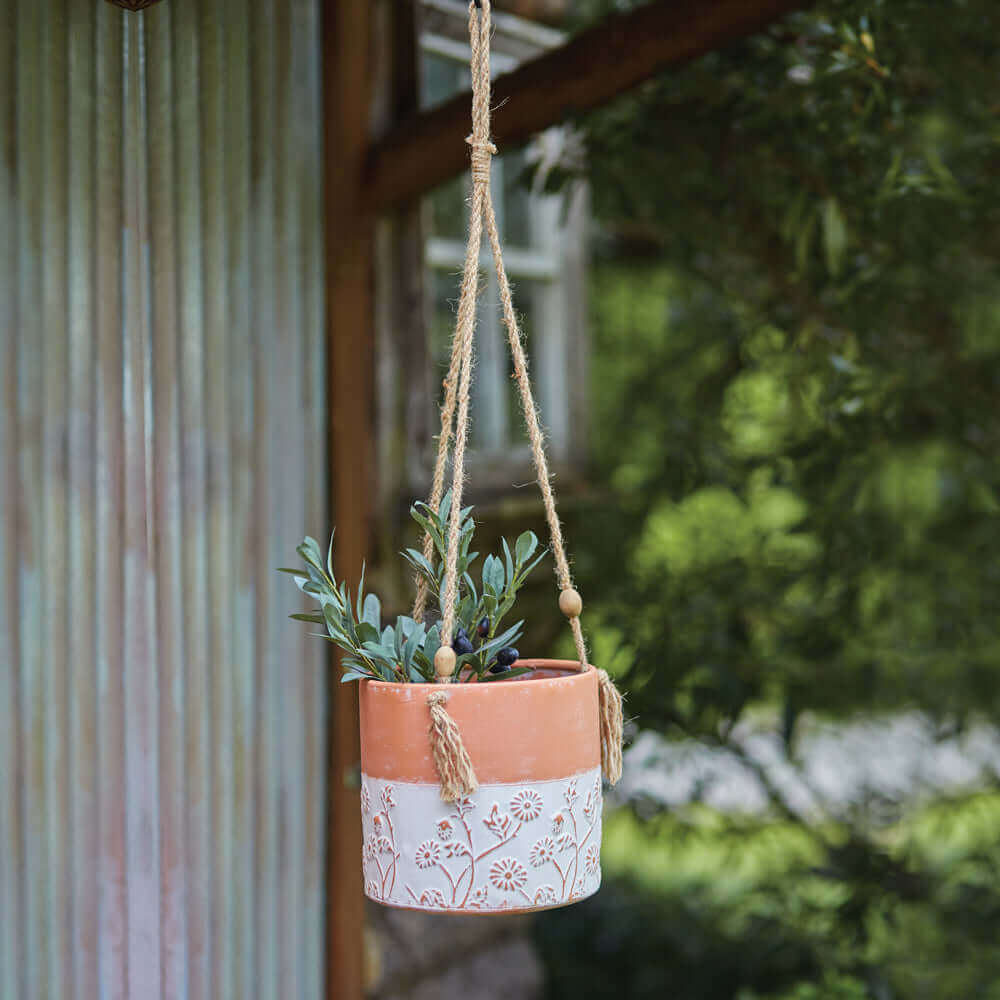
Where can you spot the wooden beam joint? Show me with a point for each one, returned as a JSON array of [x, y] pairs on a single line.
[[592, 68]]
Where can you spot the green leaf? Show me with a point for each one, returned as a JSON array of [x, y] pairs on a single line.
[[417, 560], [359, 613], [314, 619], [493, 575], [351, 675], [487, 649], [445, 509], [508, 558], [433, 642], [413, 643], [428, 525], [372, 612], [309, 551], [407, 624], [367, 632], [525, 546]]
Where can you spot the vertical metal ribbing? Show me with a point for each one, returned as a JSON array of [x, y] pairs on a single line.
[[141, 682], [264, 321], [162, 449], [80, 159], [35, 925], [12, 846]]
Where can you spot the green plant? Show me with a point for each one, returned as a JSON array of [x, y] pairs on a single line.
[[404, 652]]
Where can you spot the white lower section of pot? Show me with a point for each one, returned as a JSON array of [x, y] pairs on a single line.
[[525, 846]]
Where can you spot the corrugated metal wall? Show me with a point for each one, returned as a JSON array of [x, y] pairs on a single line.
[[161, 451]]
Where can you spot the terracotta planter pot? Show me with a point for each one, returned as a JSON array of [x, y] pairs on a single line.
[[529, 838]]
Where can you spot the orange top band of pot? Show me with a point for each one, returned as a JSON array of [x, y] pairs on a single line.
[[518, 730]]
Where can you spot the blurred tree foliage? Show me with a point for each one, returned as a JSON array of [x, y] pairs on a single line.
[[796, 397]]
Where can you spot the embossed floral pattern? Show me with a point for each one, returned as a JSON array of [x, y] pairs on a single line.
[[545, 895], [508, 875], [432, 897], [498, 823], [570, 795], [526, 805], [480, 898], [487, 852], [542, 852], [428, 853]]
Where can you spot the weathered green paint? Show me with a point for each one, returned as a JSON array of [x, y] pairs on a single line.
[[161, 451]]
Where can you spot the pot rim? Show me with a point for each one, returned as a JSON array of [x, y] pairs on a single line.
[[570, 668]]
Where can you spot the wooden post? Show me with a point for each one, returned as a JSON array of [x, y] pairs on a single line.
[[347, 79]]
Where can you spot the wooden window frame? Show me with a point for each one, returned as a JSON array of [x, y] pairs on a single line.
[[554, 260]]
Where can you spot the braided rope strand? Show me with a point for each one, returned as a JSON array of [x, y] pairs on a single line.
[[530, 410], [482, 153]]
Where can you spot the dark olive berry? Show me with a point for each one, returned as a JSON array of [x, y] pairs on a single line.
[[507, 657], [498, 668], [461, 645], [483, 628], [460, 633]]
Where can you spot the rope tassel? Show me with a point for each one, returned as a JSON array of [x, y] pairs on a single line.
[[612, 725], [452, 760]]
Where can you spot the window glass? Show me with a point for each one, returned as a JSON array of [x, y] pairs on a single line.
[[446, 286], [516, 200], [527, 296], [444, 291], [447, 211], [497, 420], [441, 78]]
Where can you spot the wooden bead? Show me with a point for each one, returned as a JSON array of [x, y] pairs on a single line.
[[571, 603], [444, 661]]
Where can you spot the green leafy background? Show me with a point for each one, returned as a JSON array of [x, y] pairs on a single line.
[[795, 324]]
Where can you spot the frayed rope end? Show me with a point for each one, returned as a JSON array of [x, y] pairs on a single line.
[[612, 726], [454, 766]]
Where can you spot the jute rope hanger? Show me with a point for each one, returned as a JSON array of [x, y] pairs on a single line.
[[454, 766]]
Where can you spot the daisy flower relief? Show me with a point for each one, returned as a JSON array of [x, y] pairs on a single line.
[[427, 854], [542, 851], [526, 805], [508, 875]]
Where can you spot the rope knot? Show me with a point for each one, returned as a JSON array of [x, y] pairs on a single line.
[[482, 155], [451, 759]]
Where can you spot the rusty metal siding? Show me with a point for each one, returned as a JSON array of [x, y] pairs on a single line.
[[162, 450]]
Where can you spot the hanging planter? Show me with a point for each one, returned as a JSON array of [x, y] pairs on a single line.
[[528, 837], [481, 771]]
